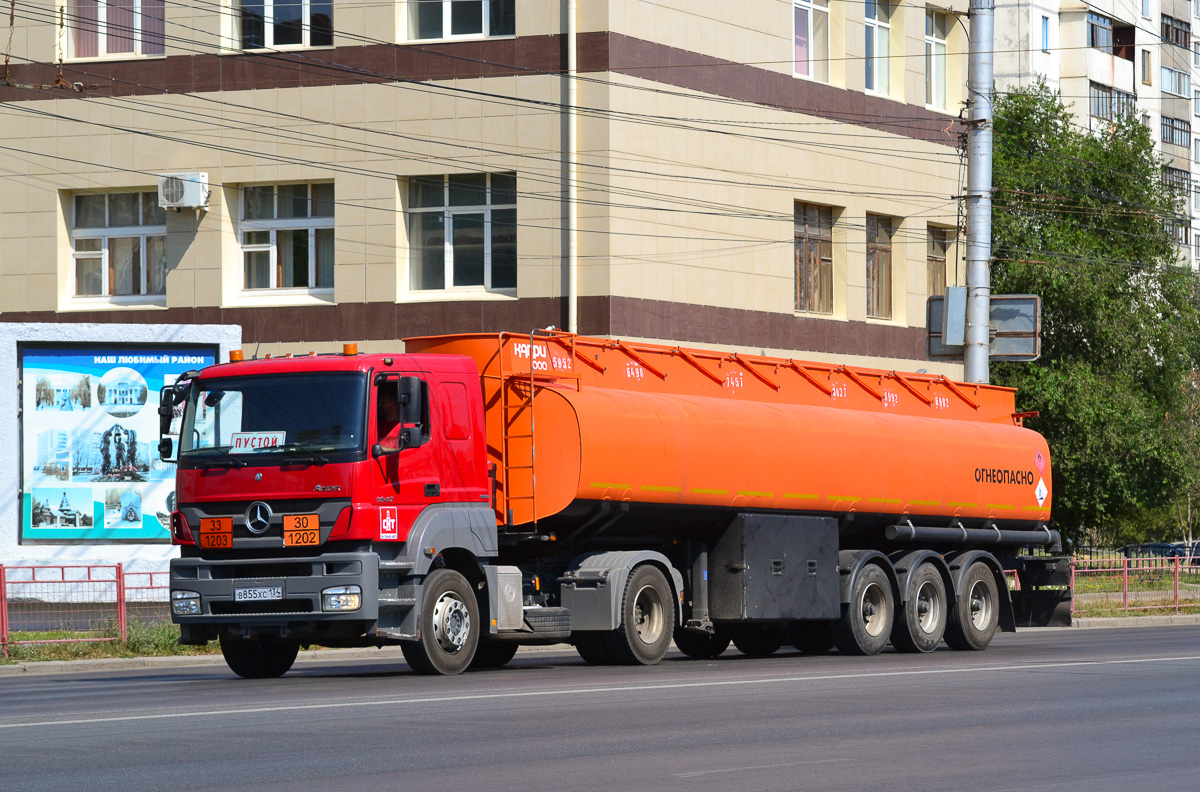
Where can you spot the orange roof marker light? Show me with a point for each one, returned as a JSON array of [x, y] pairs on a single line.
[[236, 356], [349, 349]]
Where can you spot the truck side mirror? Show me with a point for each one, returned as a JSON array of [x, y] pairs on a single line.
[[166, 449], [166, 409], [411, 408]]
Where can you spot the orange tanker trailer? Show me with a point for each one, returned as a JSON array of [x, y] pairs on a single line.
[[480, 492]]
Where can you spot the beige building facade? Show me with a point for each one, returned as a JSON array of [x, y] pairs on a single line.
[[770, 176]]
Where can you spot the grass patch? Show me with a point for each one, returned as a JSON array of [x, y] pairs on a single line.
[[143, 639]]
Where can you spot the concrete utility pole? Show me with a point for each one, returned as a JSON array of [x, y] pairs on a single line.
[[979, 191]]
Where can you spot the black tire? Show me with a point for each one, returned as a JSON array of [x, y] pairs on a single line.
[[592, 647], [922, 620], [759, 641], [867, 619], [449, 626], [493, 654], [813, 638], [259, 659], [647, 619], [976, 611], [700, 646]]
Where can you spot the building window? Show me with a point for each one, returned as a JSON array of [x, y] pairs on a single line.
[[814, 258], [810, 20], [119, 245], [269, 24], [1109, 104], [1177, 83], [287, 236], [463, 232], [1100, 32], [937, 246], [937, 30], [119, 27], [1145, 67], [1196, 149], [1176, 32], [879, 267], [1196, 52], [1045, 34], [443, 19], [1176, 132], [1146, 8], [878, 29], [1195, 102]]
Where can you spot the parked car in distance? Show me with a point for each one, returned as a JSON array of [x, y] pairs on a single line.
[[1154, 550]]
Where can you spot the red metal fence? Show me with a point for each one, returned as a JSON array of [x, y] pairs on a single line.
[[1125, 584], [64, 603]]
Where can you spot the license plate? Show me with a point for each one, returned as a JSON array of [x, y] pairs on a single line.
[[258, 593], [301, 530], [216, 532]]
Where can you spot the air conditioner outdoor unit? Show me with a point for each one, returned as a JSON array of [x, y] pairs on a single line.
[[183, 190]]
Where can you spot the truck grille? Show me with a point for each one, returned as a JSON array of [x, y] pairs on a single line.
[[278, 606], [268, 570]]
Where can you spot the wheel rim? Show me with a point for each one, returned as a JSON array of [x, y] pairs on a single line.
[[929, 608], [451, 622], [981, 606], [648, 615], [874, 610]]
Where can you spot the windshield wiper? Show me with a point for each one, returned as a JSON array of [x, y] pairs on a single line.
[[227, 459], [297, 449]]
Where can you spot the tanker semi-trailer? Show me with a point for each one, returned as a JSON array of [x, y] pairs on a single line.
[[481, 492]]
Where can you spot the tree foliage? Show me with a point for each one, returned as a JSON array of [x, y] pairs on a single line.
[[1082, 218]]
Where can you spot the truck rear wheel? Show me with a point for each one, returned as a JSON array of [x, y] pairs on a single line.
[[449, 626], [259, 659], [976, 612], [700, 646], [867, 619], [923, 618], [647, 619], [813, 638], [758, 641]]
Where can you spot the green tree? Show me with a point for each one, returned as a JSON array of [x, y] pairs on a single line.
[[1082, 218]]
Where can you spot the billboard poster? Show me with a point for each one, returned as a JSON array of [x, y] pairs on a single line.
[[90, 470]]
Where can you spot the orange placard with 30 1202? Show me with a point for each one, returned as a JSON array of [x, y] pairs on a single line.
[[301, 530], [216, 532]]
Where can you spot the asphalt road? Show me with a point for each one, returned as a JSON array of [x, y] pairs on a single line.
[[1039, 710]]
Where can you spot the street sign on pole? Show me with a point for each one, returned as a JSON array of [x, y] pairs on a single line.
[[1015, 326]]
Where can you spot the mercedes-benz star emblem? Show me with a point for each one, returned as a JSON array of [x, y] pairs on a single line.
[[258, 517]]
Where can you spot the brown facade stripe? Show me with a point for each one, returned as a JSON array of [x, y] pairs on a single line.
[[386, 63], [600, 316]]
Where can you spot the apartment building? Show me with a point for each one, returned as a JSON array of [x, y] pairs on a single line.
[[1109, 58], [763, 175]]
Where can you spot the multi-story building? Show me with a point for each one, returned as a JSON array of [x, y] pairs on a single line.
[[777, 176], [1110, 58]]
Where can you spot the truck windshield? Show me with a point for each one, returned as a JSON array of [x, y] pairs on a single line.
[[238, 419]]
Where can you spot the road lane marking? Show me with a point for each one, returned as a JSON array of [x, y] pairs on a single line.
[[699, 773], [618, 688]]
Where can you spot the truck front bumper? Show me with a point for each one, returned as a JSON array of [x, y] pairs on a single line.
[[276, 596]]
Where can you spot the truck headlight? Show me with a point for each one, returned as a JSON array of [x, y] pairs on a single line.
[[185, 603], [341, 598]]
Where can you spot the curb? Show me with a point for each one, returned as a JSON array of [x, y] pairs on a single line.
[[1112, 622]]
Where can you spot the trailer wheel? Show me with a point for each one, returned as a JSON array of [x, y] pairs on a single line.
[[449, 626], [258, 659], [977, 611], [493, 654], [813, 638], [647, 619], [592, 647], [758, 641], [701, 646], [923, 618], [867, 619]]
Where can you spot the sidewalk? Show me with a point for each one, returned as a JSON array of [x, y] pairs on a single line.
[[392, 654]]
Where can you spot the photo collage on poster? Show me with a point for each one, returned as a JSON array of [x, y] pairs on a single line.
[[90, 427]]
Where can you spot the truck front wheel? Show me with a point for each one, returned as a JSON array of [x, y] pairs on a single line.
[[867, 619], [647, 619], [700, 646], [258, 659], [449, 626]]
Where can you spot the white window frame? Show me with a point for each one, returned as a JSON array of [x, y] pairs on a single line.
[[1175, 82], [814, 68], [878, 36], [447, 21], [448, 212], [935, 60], [268, 22], [274, 226], [74, 25], [1045, 33], [105, 234]]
